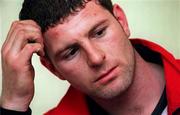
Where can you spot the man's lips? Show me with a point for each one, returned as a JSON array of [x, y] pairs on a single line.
[[107, 76]]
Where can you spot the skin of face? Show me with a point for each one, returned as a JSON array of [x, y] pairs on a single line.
[[91, 50]]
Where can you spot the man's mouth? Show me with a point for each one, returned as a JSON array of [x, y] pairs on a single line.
[[107, 76]]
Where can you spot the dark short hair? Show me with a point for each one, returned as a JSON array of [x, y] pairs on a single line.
[[47, 13]]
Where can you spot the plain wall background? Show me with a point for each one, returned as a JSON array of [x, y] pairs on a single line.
[[155, 20]]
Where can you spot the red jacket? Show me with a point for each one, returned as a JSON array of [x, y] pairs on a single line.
[[74, 102]]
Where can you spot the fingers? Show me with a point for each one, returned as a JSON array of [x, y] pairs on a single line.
[[29, 49], [16, 25], [27, 37], [20, 34]]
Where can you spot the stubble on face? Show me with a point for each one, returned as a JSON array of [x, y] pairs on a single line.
[[116, 87]]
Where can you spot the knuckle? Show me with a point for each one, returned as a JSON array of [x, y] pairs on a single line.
[[39, 46], [37, 29], [17, 24], [20, 25], [14, 23], [29, 47], [32, 48], [21, 33]]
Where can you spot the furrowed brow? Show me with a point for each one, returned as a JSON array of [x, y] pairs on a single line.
[[97, 25]]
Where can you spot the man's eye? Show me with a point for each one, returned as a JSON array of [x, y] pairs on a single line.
[[71, 53], [99, 33]]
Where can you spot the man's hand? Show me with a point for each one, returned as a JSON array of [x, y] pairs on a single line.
[[23, 40]]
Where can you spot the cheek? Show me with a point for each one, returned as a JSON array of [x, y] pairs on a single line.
[[78, 76], [118, 46], [73, 70], [114, 44]]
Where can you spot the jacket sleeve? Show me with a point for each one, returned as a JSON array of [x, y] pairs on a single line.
[[4, 111]]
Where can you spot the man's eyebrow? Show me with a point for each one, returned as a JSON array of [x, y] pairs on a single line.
[[97, 25]]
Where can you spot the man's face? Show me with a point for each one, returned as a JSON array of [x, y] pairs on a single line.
[[92, 51]]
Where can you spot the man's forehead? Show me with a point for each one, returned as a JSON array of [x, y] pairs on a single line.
[[91, 10]]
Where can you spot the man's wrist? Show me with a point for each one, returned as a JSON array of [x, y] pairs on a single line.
[[15, 105], [4, 111]]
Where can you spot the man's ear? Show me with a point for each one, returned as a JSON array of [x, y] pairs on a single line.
[[47, 63], [121, 18]]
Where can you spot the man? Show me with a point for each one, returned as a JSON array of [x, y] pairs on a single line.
[[87, 43]]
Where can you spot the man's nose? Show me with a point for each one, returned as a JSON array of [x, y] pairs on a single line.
[[95, 56]]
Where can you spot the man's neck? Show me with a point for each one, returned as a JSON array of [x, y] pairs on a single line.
[[144, 93]]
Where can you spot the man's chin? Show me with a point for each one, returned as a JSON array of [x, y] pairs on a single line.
[[113, 90]]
